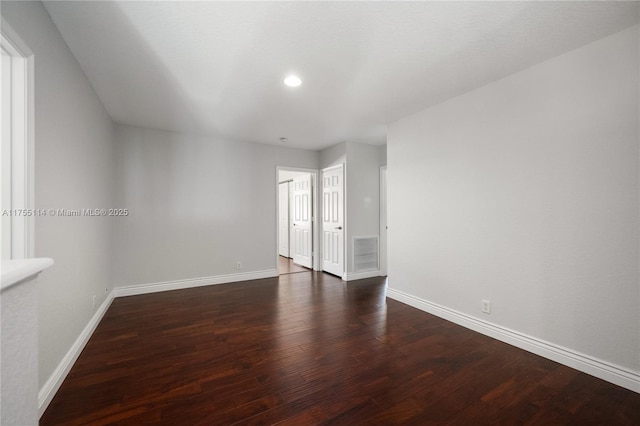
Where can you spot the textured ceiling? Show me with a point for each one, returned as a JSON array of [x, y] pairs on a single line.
[[216, 68]]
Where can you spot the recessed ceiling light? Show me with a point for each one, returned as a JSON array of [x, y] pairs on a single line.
[[292, 81]]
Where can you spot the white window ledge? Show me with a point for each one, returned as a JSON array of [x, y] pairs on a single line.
[[15, 271]]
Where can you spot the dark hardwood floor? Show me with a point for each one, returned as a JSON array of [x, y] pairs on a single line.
[[306, 349], [287, 266]]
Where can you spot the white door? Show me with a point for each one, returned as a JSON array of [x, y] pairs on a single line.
[[302, 222], [283, 219], [333, 220]]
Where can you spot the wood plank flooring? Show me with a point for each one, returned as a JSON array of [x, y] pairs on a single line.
[[288, 267], [309, 349]]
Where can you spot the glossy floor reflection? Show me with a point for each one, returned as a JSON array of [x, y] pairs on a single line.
[[306, 349], [287, 266]]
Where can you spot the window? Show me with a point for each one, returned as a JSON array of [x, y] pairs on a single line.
[[17, 146]]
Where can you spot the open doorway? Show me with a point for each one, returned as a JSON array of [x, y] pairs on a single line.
[[296, 220]]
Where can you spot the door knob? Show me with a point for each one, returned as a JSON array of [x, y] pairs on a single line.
[[338, 227]]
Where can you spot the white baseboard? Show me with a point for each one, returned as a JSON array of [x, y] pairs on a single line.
[[351, 276], [49, 389], [133, 290], [603, 370], [595, 367]]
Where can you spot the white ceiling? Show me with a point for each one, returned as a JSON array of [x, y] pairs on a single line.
[[216, 68]]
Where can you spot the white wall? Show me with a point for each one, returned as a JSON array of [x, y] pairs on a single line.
[[526, 192], [19, 343], [334, 155], [198, 205], [285, 175], [362, 194], [362, 189], [74, 165], [382, 150]]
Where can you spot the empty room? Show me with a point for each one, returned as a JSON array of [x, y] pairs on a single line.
[[320, 212]]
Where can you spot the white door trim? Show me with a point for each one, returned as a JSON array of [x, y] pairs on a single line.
[[383, 221], [22, 141]]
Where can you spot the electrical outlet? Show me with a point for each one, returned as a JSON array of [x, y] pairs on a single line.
[[486, 306], [238, 265], [94, 301]]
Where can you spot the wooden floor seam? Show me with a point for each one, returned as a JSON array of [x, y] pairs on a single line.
[[311, 349]]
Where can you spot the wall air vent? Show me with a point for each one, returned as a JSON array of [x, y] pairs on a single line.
[[365, 254]]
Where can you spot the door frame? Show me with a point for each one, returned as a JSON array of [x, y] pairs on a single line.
[[384, 234], [22, 109], [314, 212]]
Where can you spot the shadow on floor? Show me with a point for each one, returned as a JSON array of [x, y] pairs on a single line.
[[288, 267]]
